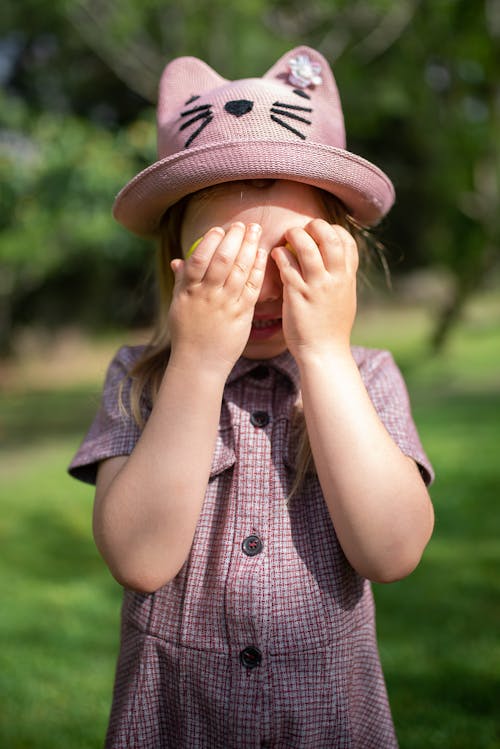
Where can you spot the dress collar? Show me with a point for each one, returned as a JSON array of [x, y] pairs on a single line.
[[284, 363]]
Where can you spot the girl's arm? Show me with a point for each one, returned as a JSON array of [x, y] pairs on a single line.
[[377, 500], [147, 505]]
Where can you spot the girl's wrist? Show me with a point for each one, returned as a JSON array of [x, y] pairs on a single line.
[[319, 356], [189, 363]]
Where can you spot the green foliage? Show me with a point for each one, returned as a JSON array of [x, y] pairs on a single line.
[[57, 174], [418, 82]]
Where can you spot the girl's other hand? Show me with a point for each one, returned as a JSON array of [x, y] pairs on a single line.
[[216, 289], [319, 287]]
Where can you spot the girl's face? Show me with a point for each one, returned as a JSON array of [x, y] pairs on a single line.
[[277, 206]]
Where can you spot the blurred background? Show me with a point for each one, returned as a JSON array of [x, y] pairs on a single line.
[[420, 85]]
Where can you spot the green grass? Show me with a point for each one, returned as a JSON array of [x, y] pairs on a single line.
[[59, 619], [438, 629]]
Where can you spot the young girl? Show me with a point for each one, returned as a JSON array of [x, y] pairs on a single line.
[[254, 471]]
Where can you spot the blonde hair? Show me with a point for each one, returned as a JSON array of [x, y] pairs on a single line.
[[147, 371]]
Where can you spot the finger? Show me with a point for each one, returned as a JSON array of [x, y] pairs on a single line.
[[200, 254], [307, 252], [253, 284], [288, 266], [176, 265], [193, 247], [224, 256], [245, 259], [337, 245]]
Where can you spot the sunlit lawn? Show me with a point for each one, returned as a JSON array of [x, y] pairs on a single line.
[[438, 630]]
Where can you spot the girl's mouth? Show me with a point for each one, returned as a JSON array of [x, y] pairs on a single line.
[[264, 327]]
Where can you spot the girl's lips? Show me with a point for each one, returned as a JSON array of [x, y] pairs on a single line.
[[264, 327]]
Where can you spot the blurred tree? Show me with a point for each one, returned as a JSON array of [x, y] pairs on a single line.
[[68, 134], [419, 82], [59, 249]]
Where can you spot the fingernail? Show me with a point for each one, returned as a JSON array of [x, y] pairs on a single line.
[[254, 229]]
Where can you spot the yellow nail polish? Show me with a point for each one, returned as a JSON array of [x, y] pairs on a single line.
[[289, 247]]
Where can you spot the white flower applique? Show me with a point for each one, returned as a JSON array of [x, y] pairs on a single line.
[[304, 72]]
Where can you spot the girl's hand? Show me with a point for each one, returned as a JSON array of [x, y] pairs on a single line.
[[215, 293], [319, 287]]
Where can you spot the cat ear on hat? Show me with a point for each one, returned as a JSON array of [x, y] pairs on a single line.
[[308, 74], [304, 68], [182, 81]]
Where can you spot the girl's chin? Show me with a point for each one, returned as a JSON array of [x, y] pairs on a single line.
[[265, 342]]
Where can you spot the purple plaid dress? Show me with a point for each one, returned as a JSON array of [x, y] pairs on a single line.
[[266, 637]]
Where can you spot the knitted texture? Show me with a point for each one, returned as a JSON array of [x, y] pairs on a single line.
[[211, 130]]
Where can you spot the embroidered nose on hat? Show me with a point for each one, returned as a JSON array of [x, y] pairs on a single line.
[[238, 107], [286, 125]]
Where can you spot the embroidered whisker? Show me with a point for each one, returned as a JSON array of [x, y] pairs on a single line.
[[291, 116], [288, 127], [200, 116], [291, 106], [202, 107], [190, 101], [299, 92], [197, 132]]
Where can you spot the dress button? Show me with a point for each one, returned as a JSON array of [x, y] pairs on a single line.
[[259, 419], [260, 372], [252, 545], [251, 657]]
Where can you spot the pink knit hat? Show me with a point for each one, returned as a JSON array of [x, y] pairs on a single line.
[[286, 125]]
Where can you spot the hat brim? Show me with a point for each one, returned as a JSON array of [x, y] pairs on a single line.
[[365, 190]]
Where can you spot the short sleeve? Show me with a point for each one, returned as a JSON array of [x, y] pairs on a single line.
[[114, 431], [387, 390]]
